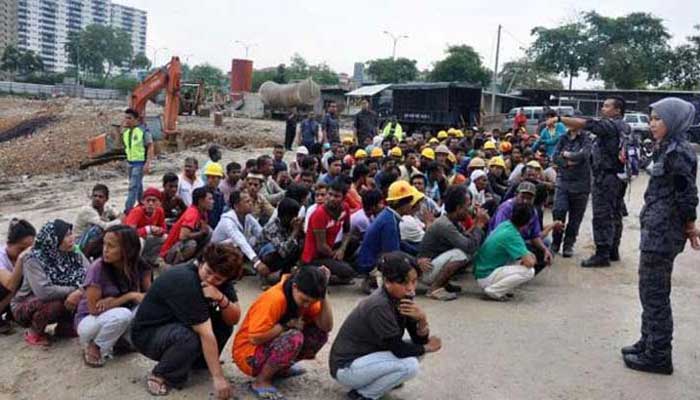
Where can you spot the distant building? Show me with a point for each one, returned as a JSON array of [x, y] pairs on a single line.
[[8, 24], [43, 25]]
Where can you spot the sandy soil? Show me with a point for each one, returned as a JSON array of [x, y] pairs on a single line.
[[559, 339]]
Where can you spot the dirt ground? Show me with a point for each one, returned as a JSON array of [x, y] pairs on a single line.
[[559, 338]]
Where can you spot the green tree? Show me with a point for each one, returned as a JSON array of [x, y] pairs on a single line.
[[684, 64], [98, 49], [212, 76], [462, 64], [522, 73], [140, 61], [262, 76], [17, 61], [300, 69], [281, 74], [562, 50], [388, 70]]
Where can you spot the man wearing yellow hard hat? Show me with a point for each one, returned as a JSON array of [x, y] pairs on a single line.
[[214, 172], [498, 179]]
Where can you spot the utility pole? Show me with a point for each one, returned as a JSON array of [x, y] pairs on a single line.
[[494, 85], [395, 39]]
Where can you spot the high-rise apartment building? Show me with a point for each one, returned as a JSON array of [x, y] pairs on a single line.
[[8, 23], [44, 25]]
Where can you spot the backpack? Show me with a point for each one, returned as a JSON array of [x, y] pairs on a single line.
[[628, 154]]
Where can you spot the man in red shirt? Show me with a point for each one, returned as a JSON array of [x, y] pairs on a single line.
[[191, 232], [324, 226], [148, 218]]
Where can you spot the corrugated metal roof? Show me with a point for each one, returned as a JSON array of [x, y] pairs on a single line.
[[368, 90]]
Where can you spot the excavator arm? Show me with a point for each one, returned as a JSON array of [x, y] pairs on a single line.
[[168, 78]]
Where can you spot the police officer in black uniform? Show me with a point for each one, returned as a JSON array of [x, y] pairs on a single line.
[[608, 189], [667, 221]]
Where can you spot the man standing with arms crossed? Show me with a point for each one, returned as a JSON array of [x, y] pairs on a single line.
[[608, 190], [138, 146]]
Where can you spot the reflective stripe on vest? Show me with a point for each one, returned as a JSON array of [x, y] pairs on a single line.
[[133, 144]]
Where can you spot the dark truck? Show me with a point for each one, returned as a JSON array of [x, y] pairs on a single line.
[[436, 106]]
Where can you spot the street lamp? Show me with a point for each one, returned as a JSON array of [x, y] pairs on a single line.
[[395, 38], [246, 46]]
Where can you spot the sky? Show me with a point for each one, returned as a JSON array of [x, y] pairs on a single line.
[[341, 34]]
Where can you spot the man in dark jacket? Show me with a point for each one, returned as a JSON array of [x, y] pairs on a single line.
[[365, 124], [667, 220], [573, 185], [608, 189]]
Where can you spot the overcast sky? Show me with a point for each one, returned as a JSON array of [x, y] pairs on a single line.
[[341, 34]]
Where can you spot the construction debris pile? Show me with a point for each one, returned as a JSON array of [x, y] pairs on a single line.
[[50, 136]]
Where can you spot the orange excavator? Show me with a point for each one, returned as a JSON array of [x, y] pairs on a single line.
[[108, 147]]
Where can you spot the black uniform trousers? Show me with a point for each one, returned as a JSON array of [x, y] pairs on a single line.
[[573, 205], [608, 201], [655, 295]]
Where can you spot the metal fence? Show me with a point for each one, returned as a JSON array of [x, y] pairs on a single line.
[[59, 90]]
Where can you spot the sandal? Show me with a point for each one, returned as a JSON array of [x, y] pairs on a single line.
[[35, 339], [157, 386], [442, 294], [266, 393], [92, 356]]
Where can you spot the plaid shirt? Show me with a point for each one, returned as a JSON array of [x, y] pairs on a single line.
[[282, 239]]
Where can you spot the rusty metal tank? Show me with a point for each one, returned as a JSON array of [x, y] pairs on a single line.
[[241, 75], [302, 93]]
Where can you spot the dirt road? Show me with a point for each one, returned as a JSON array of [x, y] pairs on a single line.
[[559, 339]]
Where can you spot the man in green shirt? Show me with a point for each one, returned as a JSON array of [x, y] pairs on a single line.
[[503, 261]]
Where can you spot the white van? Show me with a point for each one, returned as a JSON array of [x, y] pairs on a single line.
[[534, 115]]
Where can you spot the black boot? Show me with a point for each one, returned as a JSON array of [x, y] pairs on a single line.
[[640, 362], [615, 254], [637, 348], [568, 252], [596, 261]]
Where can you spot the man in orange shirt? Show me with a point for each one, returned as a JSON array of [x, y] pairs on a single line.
[[287, 323]]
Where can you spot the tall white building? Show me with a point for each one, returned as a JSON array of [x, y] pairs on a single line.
[[43, 26]]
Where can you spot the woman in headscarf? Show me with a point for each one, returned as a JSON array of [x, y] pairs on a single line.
[[50, 292], [667, 221]]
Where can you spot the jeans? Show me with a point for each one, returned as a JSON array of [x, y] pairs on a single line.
[[440, 262], [504, 279], [135, 173], [573, 204], [377, 373], [105, 329]]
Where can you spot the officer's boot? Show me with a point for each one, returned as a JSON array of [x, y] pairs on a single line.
[[568, 251], [600, 259]]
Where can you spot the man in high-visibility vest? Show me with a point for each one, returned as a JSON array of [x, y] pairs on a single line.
[[393, 129], [138, 146]]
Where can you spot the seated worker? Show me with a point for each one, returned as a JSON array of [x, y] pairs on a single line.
[[282, 240], [419, 182], [383, 234], [114, 286], [369, 354], [187, 317], [498, 181], [262, 209], [412, 228], [20, 238], [295, 166], [191, 232], [214, 173], [233, 181], [371, 207], [214, 152], [287, 323], [240, 228], [271, 191], [320, 244], [189, 180], [50, 291], [531, 232], [93, 219], [148, 218], [503, 261], [171, 203], [359, 186], [319, 195], [448, 245], [335, 167]]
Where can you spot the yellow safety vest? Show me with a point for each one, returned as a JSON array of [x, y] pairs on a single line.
[[133, 145]]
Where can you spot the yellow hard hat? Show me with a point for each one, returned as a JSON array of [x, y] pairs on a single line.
[[477, 162], [442, 135], [348, 140], [428, 153], [497, 162], [489, 145], [451, 131], [433, 141], [417, 195], [534, 164], [377, 152], [360, 154], [459, 134], [452, 158], [399, 190], [396, 152], [214, 169]]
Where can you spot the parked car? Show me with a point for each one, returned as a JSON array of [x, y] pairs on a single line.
[[535, 115], [639, 123]]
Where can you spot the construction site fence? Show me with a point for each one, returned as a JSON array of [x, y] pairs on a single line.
[[60, 90]]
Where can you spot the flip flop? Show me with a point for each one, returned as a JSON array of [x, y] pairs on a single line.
[[162, 388], [92, 362], [266, 393], [442, 295]]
